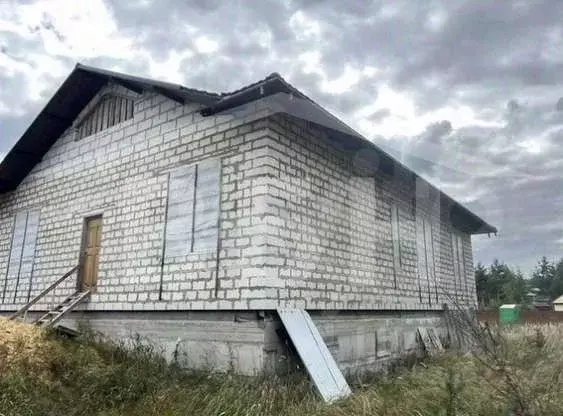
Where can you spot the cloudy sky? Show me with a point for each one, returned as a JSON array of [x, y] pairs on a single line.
[[474, 87]]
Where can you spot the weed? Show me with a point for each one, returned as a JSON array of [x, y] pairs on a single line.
[[95, 376]]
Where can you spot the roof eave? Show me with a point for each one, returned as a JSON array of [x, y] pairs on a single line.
[[472, 223], [80, 86]]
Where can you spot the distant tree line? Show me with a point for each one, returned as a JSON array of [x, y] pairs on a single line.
[[498, 283]]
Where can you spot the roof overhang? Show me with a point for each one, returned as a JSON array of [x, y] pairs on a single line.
[[274, 92], [78, 89], [280, 98]]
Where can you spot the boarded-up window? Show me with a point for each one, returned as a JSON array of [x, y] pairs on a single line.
[[459, 262], [396, 235], [206, 213], [430, 261], [193, 208], [17, 285], [425, 255], [421, 256], [179, 220], [111, 110]]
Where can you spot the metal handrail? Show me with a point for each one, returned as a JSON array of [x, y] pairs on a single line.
[[36, 299]]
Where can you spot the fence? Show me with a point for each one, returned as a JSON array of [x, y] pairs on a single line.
[[529, 317]]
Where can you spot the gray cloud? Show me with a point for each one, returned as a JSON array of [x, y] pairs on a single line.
[[379, 115], [510, 175]]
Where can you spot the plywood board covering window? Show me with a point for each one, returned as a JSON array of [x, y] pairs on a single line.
[[458, 259], [110, 110], [396, 235], [193, 208], [426, 264], [430, 261], [18, 279]]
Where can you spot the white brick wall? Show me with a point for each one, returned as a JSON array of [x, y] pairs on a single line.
[[330, 230], [299, 227], [120, 173]]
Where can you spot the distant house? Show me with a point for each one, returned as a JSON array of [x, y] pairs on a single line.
[[537, 301], [190, 217], [542, 306], [558, 304]]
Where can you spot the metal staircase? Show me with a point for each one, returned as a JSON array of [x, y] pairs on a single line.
[[49, 319]]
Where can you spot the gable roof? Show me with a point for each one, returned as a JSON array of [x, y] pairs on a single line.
[[559, 300], [73, 95], [85, 82]]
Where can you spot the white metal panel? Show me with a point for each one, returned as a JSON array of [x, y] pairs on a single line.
[[314, 353]]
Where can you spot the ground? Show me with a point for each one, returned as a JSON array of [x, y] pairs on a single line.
[[518, 371]]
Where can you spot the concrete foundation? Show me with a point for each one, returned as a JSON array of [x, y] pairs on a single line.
[[362, 342], [372, 341], [253, 343]]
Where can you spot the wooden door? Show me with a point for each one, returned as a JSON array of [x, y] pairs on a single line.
[[91, 253]]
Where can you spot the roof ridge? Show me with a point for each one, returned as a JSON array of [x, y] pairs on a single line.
[[220, 95], [269, 77], [108, 72]]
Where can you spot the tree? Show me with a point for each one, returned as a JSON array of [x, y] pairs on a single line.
[[481, 281], [515, 289], [544, 277], [499, 284], [556, 288]]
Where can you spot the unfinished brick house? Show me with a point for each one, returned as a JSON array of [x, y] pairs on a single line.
[[189, 217]]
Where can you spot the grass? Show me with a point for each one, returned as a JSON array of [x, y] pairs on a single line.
[[96, 377]]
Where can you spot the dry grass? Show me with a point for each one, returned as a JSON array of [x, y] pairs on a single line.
[[532, 356], [90, 377], [25, 347]]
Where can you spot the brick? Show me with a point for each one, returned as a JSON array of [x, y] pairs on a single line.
[[298, 222]]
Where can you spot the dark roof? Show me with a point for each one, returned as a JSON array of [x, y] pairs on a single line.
[[73, 95], [85, 82], [270, 85], [280, 98]]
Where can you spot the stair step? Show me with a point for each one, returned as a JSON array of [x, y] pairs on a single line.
[[53, 316], [44, 292]]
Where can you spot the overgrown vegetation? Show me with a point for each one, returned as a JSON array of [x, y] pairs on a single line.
[[94, 377]]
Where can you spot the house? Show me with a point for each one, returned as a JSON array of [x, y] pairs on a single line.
[[189, 217], [558, 304]]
